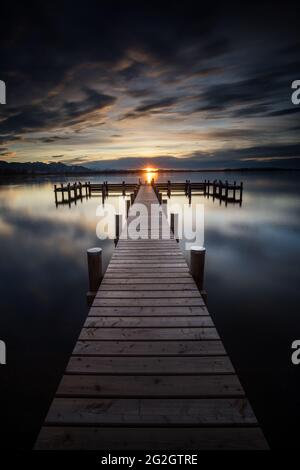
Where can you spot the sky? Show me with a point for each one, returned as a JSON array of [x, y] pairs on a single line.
[[108, 86]]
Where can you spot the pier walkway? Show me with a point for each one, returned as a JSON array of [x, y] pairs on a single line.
[[149, 370]]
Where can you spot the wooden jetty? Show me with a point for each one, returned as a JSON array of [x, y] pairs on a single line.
[[149, 370], [71, 193], [223, 191]]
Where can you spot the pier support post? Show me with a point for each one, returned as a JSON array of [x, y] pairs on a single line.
[[174, 225], [94, 257], [131, 198], [197, 268], [118, 219], [123, 188], [127, 207], [241, 193], [55, 194]]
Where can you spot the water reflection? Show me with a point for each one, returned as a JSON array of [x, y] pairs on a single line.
[[252, 278]]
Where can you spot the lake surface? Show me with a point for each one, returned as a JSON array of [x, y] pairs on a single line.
[[252, 278]]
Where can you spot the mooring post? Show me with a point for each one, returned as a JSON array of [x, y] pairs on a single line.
[[123, 188], [55, 195], [204, 187], [160, 198], [127, 207], [80, 190], [94, 257], [69, 193], [190, 192], [197, 268], [208, 188], [90, 189], [118, 219], [241, 192], [131, 198], [226, 192], [174, 225]]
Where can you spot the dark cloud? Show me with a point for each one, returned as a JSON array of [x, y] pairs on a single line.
[[71, 68], [149, 107]]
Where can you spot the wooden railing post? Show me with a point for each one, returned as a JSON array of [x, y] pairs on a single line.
[[118, 220], [94, 258], [197, 267], [127, 207]]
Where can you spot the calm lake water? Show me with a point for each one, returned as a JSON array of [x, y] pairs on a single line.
[[252, 279]]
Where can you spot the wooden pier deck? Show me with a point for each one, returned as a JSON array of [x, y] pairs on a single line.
[[149, 370]]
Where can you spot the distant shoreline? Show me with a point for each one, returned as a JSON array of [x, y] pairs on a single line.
[[87, 172]]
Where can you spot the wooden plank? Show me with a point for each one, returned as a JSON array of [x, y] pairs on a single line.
[[150, 365], [134, 411], [123, 274], [107, 286], [148, 311], [144, 322], [150, 386], [149, 348], [186, 281], [153, 334], [150, 302], [167, 438], [147, 294]]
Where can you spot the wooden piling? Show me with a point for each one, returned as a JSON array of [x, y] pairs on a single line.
[[197, 265], [94, 258]]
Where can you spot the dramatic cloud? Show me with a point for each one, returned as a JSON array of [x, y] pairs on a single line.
[[94, 82]]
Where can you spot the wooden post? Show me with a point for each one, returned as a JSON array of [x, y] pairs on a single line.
[[131, 198], [123, 188], [118, 225], [241, 192], [234, 190], [160, 198], [172, 221], [69, 193], [94, 257], [55, 195], [226, 193], [169, 189], [204, 186], [208, 188], [127, 207], [80, 190], [174, 225], [190, 192], [197, 267], [90, 189]]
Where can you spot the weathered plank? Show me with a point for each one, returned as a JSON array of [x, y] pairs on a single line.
[[149, 348], [149, 311], [144, 322], [120, 411], [146, 386], [149, 334], [141, 438], [150, 365]]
